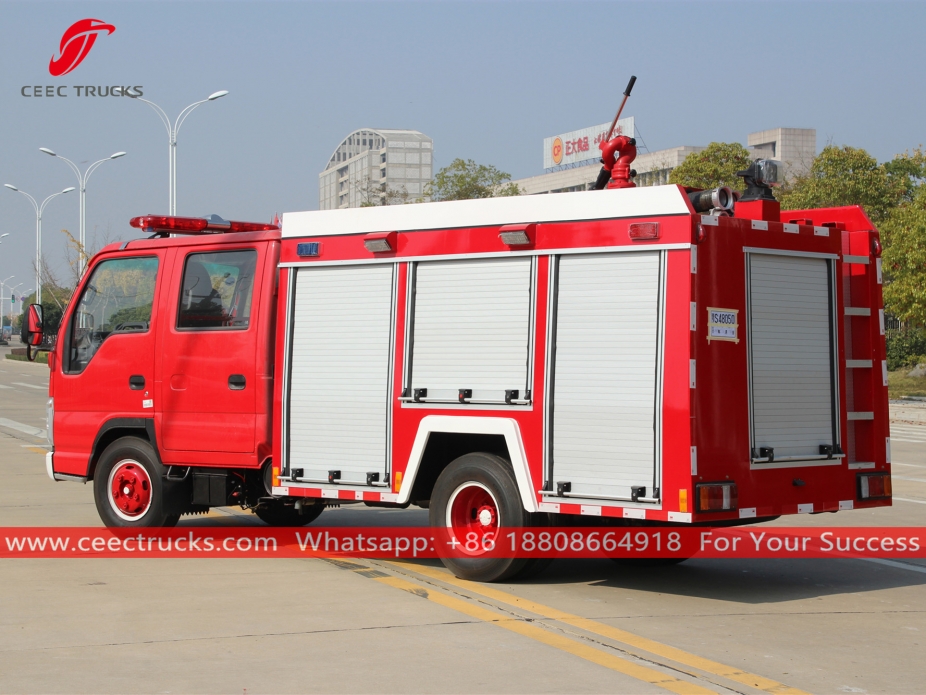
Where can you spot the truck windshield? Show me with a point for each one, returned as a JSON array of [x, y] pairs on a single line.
[[117, 299]]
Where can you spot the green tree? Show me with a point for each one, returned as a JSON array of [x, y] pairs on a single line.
[[905, 259], [714, 166], [846, 176], [464, 179]]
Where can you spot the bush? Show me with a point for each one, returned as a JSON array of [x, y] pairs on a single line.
[[905, 348]]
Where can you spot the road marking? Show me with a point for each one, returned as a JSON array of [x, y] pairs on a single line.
[[907, 499], [912, 465], [613, 633], [902, 477], [912, 441], [551, 639], [31, 386], [524, 628], [898, 565], [4, 386], [20, 427]]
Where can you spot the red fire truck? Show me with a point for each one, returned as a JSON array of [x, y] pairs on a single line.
[[621, 356]]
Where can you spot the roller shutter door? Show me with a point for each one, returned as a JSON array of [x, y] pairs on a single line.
[[471, 327], [604, 394], [339, 392], [790, 324]]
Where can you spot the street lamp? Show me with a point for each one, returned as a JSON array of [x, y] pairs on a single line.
[[39, 209], [172, 141], [82, 180], [12, 302]]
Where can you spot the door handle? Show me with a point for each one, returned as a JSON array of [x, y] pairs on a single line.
[[136, 382], [236, 382]]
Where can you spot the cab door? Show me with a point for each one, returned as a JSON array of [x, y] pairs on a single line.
[[207, 360], [107, 351]]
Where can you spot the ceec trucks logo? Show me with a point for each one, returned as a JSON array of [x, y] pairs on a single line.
[[76, 44]]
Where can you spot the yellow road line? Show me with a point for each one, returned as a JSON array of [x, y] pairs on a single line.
[[552, 639], [613, 633]]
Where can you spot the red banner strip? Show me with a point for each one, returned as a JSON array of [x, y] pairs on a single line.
[[417, 542]]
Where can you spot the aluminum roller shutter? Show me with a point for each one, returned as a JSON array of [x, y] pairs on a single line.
[[604, 394], [790, 335], [471, 327], [339, 392]]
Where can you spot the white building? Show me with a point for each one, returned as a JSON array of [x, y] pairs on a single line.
[[794, 147], [376, 167]]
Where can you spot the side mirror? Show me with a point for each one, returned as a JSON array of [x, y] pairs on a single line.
[[33, 332]]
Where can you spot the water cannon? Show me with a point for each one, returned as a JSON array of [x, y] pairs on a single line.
[[761, 175], [615, 171]]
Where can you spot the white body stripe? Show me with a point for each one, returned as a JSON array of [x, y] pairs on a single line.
[[562, 207]]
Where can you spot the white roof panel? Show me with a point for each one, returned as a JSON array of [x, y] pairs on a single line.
[[555, 207]]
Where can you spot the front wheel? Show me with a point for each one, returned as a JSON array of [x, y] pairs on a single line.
[[127, 486], [475, 498]]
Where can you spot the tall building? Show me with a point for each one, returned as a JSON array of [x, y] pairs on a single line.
[[376, 167], [794, 147]]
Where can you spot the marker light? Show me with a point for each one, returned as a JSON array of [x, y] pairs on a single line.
[[643, 231], [380, 242], [196, 225], [517, 234], [874, 485], [716, 497]]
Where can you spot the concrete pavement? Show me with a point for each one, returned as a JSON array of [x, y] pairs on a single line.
[[293, 625]]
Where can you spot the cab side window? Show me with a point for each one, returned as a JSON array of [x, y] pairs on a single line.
[[216, 291], [117, 299]]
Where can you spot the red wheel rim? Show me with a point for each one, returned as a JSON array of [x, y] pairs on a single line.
[[472, 516], [129, 490]]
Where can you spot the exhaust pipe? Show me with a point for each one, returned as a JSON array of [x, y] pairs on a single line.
[[705, 201]]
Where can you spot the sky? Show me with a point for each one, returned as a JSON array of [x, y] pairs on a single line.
[[486, 80]]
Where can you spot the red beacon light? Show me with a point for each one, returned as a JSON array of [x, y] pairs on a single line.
[[164, 224]]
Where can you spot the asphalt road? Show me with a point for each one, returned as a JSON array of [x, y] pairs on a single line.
[[305, 625]]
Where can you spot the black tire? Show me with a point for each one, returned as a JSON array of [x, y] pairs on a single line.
[[469, 477], [139, 500], [536, 565], [279, 514]]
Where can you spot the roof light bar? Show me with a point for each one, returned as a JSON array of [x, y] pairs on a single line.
[[196, 225]]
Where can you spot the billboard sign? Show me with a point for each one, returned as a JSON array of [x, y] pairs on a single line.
[[581, 146]]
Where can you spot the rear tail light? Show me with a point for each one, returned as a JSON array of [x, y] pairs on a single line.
[[716, 497], [641, 231], [874, 486]]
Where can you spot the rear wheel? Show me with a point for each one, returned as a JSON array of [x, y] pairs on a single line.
[[128, 488], [475, 498], [277, 513]]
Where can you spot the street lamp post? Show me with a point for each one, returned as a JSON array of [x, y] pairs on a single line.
[[2, 285], [39, 209], [12, 302], [82, 181], [172, 131]]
